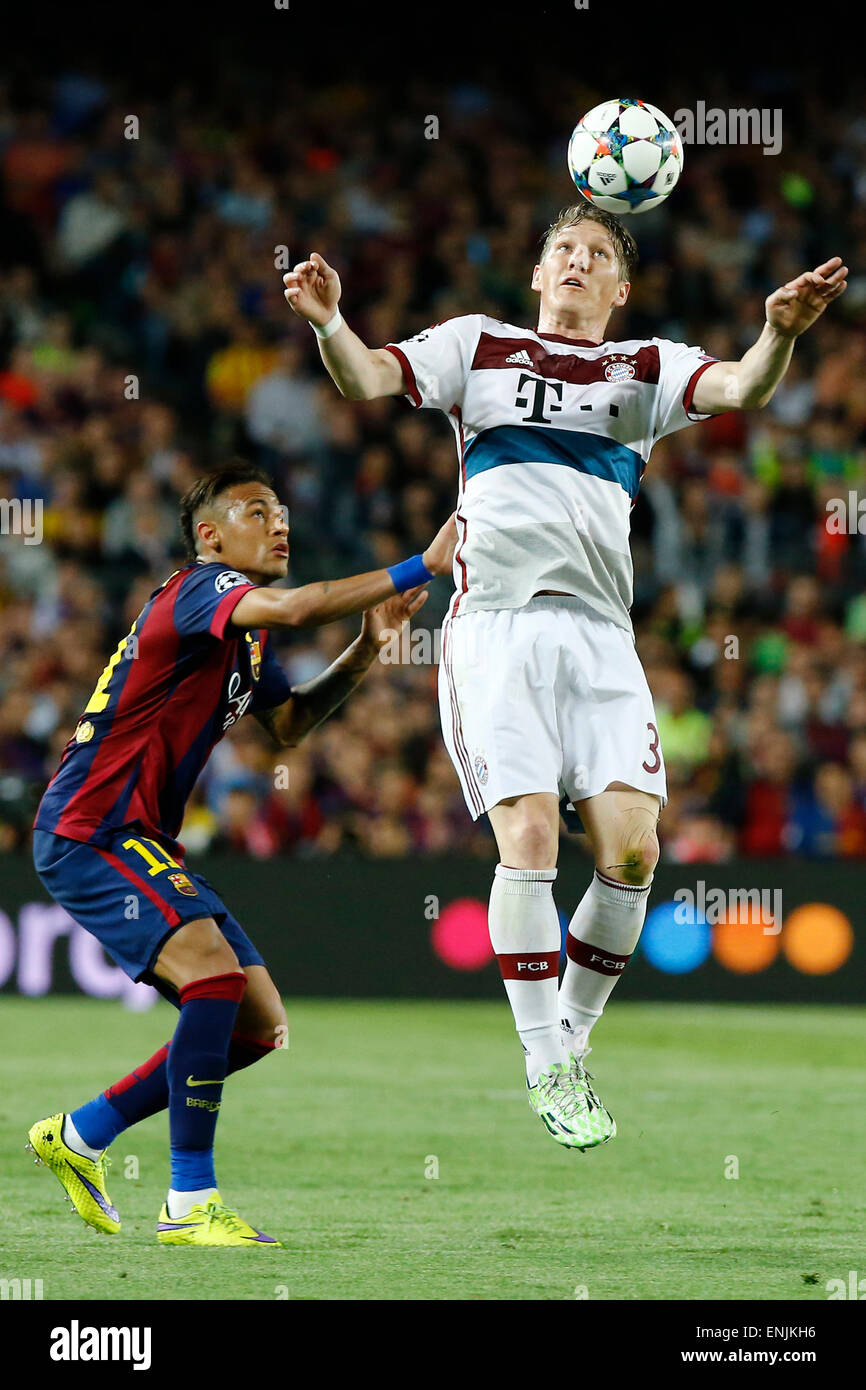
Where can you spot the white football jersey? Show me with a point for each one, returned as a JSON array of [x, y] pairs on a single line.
[[553, 435]]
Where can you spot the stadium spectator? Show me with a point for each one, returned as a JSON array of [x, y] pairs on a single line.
[[143, 335]]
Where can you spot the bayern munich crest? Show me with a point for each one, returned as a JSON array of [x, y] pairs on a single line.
[[481, 771], [619, 370]]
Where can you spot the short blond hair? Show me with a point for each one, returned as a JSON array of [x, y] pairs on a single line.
[[624, 243]]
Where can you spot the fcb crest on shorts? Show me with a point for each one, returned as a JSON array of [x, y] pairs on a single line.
[[183, 884], [255, 651], [481, 770]]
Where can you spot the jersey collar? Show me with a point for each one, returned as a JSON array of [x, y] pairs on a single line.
[[574, 342]]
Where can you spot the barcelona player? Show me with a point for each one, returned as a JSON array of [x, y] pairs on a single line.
[[197, 658]]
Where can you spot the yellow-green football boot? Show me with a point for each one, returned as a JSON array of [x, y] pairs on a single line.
[[564, 1099], [83, 1179], [210, 1223]]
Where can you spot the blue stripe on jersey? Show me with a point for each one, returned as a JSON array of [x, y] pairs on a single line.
[[587, 453], [176, 792], [116, 814]]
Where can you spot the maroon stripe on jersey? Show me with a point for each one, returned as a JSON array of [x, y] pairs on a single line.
[[220, 620], [148, 889], [408, 374], [688, 394], [493, 352], [458, 555], [603, 962], [464, 580], [461, 443], [529, 965]]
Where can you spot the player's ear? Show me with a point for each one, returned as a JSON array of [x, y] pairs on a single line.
[[621, 294], [208, 534], [535, 282]]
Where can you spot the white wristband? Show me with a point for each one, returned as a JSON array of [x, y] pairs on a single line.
[[330, 327]]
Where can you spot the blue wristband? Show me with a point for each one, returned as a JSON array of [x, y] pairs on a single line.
[[409, 573]]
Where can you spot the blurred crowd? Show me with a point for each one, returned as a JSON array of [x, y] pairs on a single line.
[[144, 338]]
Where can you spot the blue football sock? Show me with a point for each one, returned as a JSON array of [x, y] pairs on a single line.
[[145, 1092], [98, 1122], [196, 1068]]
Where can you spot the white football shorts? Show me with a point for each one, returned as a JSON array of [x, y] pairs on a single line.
[[545, 698]]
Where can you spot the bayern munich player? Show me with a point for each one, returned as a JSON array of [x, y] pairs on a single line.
[[541, 691], [197, 658]]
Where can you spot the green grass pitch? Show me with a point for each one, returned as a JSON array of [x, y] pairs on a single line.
[[329, 1145]]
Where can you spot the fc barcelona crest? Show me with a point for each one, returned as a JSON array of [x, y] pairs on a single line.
[[183, 884], [255, 651]]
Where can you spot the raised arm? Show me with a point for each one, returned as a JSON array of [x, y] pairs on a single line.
[[750, 383], [313, 605], [313, 291]]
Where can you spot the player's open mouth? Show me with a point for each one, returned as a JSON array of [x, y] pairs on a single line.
[[281, 550], [574, 283]]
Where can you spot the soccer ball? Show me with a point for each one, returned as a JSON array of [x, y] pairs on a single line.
[[625, 156]]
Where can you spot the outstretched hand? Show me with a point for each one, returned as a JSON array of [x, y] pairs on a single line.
[[794, 307], [387, 619]]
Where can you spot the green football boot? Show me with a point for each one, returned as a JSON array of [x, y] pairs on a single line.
[[568, 1107]]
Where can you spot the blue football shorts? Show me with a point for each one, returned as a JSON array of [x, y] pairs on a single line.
[[131, 894]]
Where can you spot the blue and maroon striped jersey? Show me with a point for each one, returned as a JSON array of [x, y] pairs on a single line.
[[178, 680]]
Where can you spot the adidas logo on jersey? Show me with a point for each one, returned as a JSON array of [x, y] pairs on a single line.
[[521, 359]]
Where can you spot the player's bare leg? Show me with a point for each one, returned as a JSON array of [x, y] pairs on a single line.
[[620, 823], [197, 948], [261, 1013]]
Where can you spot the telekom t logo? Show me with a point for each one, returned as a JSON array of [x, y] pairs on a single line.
[[541, 387]]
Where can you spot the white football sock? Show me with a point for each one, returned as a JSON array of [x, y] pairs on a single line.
[[70, 1136], [602, 935], [181, 1203], [526, 936]]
